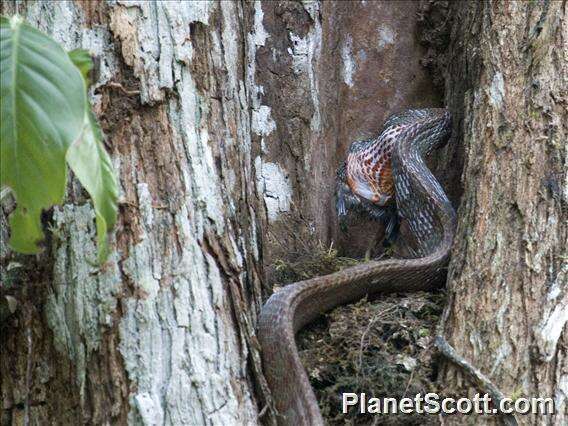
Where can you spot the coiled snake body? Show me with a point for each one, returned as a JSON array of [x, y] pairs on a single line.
[[430, 218]]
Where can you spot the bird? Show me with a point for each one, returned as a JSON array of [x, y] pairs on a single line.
[[364, 180]]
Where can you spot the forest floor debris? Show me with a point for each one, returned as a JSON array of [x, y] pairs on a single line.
[[382, 347]]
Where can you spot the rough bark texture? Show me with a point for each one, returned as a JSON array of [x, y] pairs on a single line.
[[161, 333], [508, 309]]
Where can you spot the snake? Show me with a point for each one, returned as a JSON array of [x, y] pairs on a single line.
[[422, 207]]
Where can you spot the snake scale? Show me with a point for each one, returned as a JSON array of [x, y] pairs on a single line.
[[422, 204]]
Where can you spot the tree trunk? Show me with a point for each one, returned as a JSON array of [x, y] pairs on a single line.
[[508, 303], [162, 333]]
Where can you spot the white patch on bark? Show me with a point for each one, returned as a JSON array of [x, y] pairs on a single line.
[[150, 410], [348, 63], [256, 38], [504, 350], [561, 394], [59, 28], [262, 122], [98, 42], [145, 204], [203, 179], [554, 291], [549, 330], [259, 34], [314, 52], [501, 354], [496, 262], [554, 316], [272, 182], [163, 31], [305, 51], [476, 343], [199, 11], [386, 36], [497, 90], [9, 204], [63, 28], [299, 53]]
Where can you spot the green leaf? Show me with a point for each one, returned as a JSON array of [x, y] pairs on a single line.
[[42, 105], [82, 60], [26, 229], [92, 166]]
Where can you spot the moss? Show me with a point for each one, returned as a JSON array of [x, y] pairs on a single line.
[[517, 393], [319, 261]]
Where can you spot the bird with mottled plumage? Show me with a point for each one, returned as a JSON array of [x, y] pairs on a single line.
[[364, 182]]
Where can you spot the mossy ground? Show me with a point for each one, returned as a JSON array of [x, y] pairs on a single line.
[[382, 347]]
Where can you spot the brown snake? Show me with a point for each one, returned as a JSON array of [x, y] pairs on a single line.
[[430, 217]]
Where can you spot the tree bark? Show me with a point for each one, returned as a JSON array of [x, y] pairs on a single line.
[[508, 305], [161, 334]]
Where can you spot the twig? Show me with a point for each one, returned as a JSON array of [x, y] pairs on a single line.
[[409, 382], [361, 345], [123, 89], [364, 335]]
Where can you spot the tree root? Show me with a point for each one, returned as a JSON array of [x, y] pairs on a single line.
[[476, 376]]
